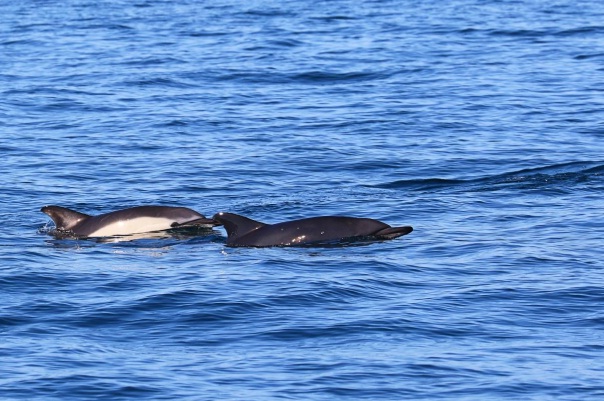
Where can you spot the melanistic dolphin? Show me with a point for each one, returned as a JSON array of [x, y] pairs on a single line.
[[242, 231], [134, 220]]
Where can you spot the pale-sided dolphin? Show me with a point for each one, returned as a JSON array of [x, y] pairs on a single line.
[[242, 231], [135, 220]]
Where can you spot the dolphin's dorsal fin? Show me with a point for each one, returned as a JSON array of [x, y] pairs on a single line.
[[235, 225], [65, 219]]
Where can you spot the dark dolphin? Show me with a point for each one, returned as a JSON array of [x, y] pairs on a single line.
[[140, 219], [242, 231]]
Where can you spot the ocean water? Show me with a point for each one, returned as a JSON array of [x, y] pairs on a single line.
[[478, 122]]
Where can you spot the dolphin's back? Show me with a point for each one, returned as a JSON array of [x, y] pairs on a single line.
[[314, 229]]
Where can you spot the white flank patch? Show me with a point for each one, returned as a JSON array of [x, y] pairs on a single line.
[[134, 226]]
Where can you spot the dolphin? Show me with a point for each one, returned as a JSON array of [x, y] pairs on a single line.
[[242, 231], [134, 220]]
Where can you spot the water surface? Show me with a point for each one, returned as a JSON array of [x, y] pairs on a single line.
[[479, 123]]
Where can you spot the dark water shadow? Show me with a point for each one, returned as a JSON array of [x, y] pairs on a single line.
[[557, 176]]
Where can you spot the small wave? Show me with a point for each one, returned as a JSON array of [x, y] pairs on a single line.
[[202, 34], [589, 56], [152, 60], [570, 167], [548, 176], [581, 31], [420, 185], [267, 13], [335, 18], [285, 43], [554, 176], [158, 82], [327, 77], [527, 33], [535, 33], [307, 78]]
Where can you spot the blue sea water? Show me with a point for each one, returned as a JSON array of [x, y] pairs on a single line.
[[478, 122]]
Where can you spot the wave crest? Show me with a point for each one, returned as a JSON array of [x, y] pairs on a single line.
[[557, 175]]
